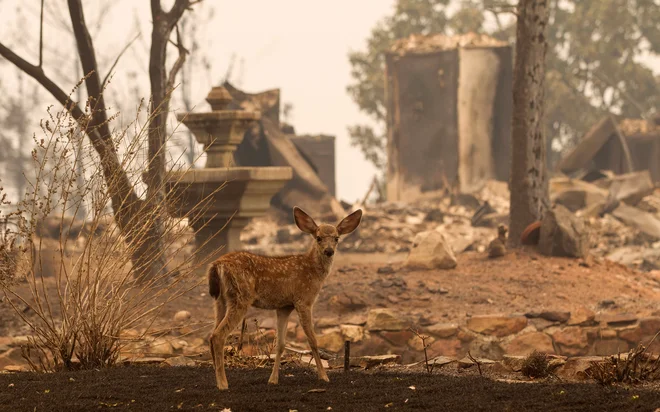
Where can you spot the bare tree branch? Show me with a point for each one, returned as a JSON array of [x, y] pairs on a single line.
[[41, 35], [178, 64], [105, 79], [90, 67]]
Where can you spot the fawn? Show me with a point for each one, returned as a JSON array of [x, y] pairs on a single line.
[[239, 280]]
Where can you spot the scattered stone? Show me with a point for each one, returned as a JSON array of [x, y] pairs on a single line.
[[326, 322], [619, 320], [182, 316], [179, 344], [353, 333], [442, 330], [513, 362], [178, 361], [331, 341], [430, 251], [16, 368], [608, 303], [356, 319], [147, 360], [497, 325], [347, 302], [384, 319], [605, 347], [563, 234], [398, 338], [527, 343], [555, 316], [385, 270], [416, 343], [581, 317], [572, 340], [577, 367], [466, 362], [161, 346], [445, 347], [368, 362]]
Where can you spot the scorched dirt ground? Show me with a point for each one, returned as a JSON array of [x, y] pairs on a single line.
[[161, 389]]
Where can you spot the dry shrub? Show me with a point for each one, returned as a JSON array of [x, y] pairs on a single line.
[[536, 365], [636, 366], [79, 311]]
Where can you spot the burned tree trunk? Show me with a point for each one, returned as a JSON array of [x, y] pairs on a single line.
[[528, 181]]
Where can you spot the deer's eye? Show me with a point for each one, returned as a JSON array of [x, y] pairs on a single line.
[[318, 238], [336, 238]]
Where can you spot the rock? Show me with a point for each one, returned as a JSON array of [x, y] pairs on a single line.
[[572, 341], [353, 333], [527, 343], [16, 368], [384, 319], [445, 347], [605, 347], [643, 221], [368, 362], [643, 332], [618, 320], [513, 362], [385, 270], [178, 361], [442, 330], [466, 362], [370, 345], [347, 302], [147, 360], [182, 316], [398, 338], [331, 341], [607, 303], [555, 316], [356, 319], [179, 344], [563, 234], [577, 367], [581, 316], [416, 343], [430, 251], [326, 322], [497, 325], [161, 346]]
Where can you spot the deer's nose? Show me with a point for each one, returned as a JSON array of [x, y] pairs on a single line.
[[329, 252]]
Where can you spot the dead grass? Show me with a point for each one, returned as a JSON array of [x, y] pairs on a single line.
[[536, 365], [97, 291], [635, 367]]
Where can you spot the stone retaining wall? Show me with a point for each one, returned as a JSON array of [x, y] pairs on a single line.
[[581, 333]]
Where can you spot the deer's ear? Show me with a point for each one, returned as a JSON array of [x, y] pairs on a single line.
[[304, 221], [350, 223]]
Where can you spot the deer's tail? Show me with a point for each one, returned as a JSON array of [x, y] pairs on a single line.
[[215, 287]]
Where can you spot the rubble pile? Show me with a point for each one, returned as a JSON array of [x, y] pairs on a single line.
[[621, 214]]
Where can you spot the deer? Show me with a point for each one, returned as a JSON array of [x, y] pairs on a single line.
[[240, 280]]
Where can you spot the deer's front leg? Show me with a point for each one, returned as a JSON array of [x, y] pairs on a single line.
[[282, 322], [305, 315]]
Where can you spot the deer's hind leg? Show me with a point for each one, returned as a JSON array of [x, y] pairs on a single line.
[[220, 312], [233, 316]]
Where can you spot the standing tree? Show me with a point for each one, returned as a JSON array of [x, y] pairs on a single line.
[[528, 181], [133, 214]]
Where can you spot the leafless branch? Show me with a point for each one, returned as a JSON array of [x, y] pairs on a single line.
[[105, 79], [178, 64], [476, 362], [41, 35], [429, 367]]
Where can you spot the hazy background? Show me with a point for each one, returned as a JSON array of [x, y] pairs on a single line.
[[299, 46]]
